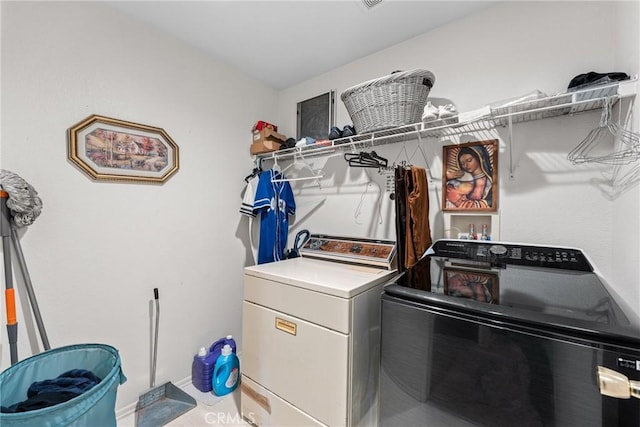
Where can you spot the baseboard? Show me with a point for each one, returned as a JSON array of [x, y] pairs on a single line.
[[126, 411]]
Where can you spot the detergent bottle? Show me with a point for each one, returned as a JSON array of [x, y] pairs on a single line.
[[202, 370], [204, 362], [226, 373], [216, 347]]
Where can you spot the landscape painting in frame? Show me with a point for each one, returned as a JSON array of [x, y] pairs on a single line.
[[470, 176], [116, 150]]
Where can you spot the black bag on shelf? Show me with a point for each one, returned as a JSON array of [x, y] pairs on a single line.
[[593, 79]]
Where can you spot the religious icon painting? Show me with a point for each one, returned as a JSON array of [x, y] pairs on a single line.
[[472, 284], [470, 176]]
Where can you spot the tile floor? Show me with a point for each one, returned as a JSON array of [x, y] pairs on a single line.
[[211, 411]]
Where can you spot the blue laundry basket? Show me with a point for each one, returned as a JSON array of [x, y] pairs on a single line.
[[95, 407]]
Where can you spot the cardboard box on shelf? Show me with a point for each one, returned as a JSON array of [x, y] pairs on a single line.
[[268, 135], [264, 146], [266, 140]]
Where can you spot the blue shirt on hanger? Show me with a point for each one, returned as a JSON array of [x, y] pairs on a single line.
[[274, 201]]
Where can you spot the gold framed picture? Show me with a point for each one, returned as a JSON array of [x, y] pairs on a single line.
[[470, 176], [116, 150]]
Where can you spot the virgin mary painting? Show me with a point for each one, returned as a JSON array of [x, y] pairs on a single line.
[[470, 176]]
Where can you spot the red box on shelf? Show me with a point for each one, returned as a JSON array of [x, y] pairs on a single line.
[[261, 125]]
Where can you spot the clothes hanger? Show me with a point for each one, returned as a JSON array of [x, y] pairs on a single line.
[[424, 157], [382, 162], [362, 160], [617, 183], [257, 169], [405, 163], [276, 167], [627, 142], [378, 203], [581, 153], [365, 159], [305, 165]]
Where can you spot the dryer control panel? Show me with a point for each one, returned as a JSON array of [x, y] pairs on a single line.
[[378, 253]]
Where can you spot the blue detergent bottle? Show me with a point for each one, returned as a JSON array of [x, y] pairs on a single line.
[[216, 347], [226, 373], [204, 362], [202, 370]]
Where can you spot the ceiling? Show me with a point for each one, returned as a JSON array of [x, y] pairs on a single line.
[[283, 43]]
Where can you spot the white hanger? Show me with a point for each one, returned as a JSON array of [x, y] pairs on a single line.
[[358, 210], [276, 166], [427, 165], [305, 165], [627, 142]]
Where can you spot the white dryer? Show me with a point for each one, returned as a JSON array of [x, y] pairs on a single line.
[[311, 337]]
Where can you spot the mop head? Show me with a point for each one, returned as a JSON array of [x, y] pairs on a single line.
[[23, 203]]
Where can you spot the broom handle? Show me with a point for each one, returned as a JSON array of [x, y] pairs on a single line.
[[155, 340], [29, 286], [9, 293]]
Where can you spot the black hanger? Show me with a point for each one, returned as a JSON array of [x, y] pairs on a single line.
[[257, 170], [365, 160], [362, 159], [381, 160]]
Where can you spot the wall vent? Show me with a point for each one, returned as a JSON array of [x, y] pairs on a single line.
[[369, 4]]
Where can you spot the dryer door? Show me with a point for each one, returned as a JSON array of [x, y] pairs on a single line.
[[302, 363]]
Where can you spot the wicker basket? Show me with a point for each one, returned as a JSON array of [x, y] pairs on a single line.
[[390, 101]]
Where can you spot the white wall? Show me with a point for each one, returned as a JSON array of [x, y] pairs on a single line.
[[626, 221], [98, 249], [502, 52]]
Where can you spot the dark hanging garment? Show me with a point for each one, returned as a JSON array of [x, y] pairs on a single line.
[[413, 233], [418, 232], [401, 214]]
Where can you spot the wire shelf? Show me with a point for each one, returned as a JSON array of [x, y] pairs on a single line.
[[563, 104]]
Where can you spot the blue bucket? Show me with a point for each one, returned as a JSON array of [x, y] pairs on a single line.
[[95, 407]]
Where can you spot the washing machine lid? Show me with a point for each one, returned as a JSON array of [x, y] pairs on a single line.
[[543, 285], [342, 280]]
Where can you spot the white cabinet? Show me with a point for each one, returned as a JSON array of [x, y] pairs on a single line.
[[311, 343]]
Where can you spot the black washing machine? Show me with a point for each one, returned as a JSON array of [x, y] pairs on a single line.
[[501, 334]]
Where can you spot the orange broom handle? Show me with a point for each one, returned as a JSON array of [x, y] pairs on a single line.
[[10, 304], [10, 296]]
